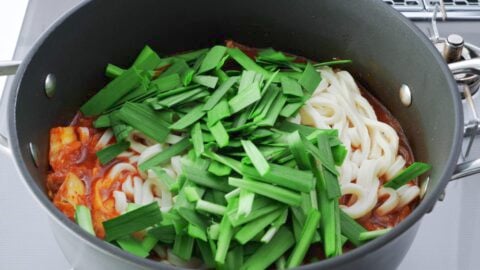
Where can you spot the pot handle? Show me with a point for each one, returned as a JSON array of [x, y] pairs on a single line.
[[6, 68], [466, 169]]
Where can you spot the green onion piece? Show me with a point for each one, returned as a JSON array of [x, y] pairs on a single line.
[[145, 120], [222, 76], [220, 134], [245, 202], [270, 252], [102, 122], [248, 77], [84, 218], [277, 223], [206, 252], [274, 111], [210, 207], [171, 184], [299, 152], [205, 80], [333, 62], [190, 118], [247, 63], [366, 236], [213, 231], [310, 78], [187, 56], [191, 194], [196, 232], [174, 218], [147, 59], [254, 214], [219, 112], [201, 177], [219, 93], [149, 242], [212, 59], [251, 229], [163, 233], [270, 54], [339, 153], [166, 154], [256, 157], [224, 239], [183, 247], [219, 169], [245, 98], [286, 177], [351, 229], [166, 83], [132, 221], [177, 99], [330, 230], [113, 71], [291, 87], [262, 107], [132, 245], [276, 193], [308, 231], [414, 170], [322, 153], [135, 93], [111, 93], [110, 152], [197, 139], [234, 258], [291, 109]]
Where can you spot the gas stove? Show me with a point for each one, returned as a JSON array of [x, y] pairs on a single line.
[[447, 239]]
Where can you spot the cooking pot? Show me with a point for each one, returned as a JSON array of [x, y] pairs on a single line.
[[66, 66]]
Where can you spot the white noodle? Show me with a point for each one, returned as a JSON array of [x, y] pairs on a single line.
[[372, 145], [120, 201], [137, 190], [105, 139], [390, 204]]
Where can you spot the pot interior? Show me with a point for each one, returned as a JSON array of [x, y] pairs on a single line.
[[386, 53]]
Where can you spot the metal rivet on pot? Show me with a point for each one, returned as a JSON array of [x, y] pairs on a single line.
[[50, 85], [405, 95], [33, 153]]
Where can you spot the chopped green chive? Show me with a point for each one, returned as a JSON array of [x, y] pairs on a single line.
[[190, 118], [310, 78], [212, 59], [276, 193], [256, 157], [84, 218], [308, 231], [111, 93], [366, 236], [270, 252], [144, 119], [408, 174], [210, 207], [110, 152], [133, 221]]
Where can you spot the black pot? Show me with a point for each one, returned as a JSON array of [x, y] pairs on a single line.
[[387, 51]]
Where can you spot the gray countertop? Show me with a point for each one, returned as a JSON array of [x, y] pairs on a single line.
[[447, 238]]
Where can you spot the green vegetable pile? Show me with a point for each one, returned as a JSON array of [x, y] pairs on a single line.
[[255, 189]]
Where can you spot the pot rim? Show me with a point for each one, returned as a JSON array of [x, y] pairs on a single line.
[[425, 205]]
